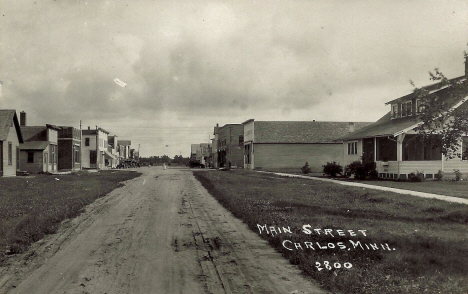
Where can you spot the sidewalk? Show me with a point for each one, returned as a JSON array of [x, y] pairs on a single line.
[[395, 190]]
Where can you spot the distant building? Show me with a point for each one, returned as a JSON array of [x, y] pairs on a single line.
[[290, 144], [39, 152], [214, 147], [10, 140], [230, 145], [69, 148], [94, 149]]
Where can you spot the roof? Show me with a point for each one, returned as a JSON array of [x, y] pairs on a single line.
[[124, 142], [383, 127], [34, 145], [303, 131], [386, 126], [440, 89], [6, 117], [93, 131], [34, 133]]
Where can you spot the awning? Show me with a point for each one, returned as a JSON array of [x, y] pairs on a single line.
[[109, 155]]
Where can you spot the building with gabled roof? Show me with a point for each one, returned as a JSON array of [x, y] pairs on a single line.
[[290, 144], [395, 145], [39, 152], [10, 140]]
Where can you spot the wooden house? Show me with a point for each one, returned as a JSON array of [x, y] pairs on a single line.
[[10, 140]]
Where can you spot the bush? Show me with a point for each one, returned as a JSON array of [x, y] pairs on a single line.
[[332, 169], [439, 175], [361, 171], [416, 177], [306, 168], [458, 174]]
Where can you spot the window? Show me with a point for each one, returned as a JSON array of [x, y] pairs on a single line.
[[86, 142], [409, 108], [30, 157], [352, 148], [419, 106], [241, 139], [10, 153], [406, 109], [394, 110]]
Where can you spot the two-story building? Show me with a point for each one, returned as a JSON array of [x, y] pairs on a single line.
[[94, 153], [69, 148], [395, 145], [10, 140], [230, 145], [39, 152]]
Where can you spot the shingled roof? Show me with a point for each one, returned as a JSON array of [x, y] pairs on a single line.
[[34, 145], [7, 117], [295, 132], [386, 126], [383, 127]]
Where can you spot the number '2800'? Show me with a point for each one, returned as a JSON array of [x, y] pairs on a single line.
[[329, 266]]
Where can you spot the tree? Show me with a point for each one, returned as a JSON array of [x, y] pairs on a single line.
[[445, 120]]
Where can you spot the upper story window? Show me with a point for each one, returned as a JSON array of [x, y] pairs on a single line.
[[420, 107], [241, 139], [407, 109], [86, 142], [394, 110]]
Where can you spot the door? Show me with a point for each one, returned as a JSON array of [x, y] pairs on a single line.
[[368, 150], [46, 162], [92, 158]]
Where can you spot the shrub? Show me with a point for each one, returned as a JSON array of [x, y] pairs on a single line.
[[306, 168], [416, 177], [361, 170], [332, 169], [439, 175], [458, 174]]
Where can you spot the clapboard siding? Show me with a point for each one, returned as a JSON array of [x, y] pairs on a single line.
[[296, 155]]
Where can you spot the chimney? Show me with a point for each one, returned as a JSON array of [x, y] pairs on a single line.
[[22, 118], [351, 127]]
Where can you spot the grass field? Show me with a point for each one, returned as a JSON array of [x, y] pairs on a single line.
[[430, 237], [445, 187], [31, 207]]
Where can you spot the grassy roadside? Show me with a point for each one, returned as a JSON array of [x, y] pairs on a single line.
[[445, 187], [429, 236], [31, 207]]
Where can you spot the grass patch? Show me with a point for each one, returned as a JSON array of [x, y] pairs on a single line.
[[429, 236], [447, 188], [31, 207]]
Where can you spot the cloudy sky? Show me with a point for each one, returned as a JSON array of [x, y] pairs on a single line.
[[163, 73]]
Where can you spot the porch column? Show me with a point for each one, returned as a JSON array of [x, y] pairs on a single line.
[[400, 139], [375, 149]]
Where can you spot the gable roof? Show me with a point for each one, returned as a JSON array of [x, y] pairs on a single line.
[[34, 145], [440, 89], [383, 127], [295, 132], [34, 133], [6, 117], [386, 126]]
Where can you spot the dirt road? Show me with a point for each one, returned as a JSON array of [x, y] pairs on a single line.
[[160, 233]]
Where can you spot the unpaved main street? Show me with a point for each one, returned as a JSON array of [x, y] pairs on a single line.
[[160, 233]]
